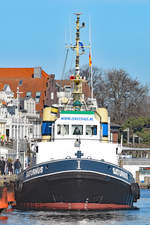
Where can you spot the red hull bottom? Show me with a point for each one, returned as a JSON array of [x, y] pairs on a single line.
[[71, 206]]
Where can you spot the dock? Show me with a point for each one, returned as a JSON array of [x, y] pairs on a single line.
[[7, 179], [7, 194]]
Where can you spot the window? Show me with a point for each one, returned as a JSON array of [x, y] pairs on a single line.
[[52, 95], [62, 129], [91, 130], [67, 88], [77, 129], [38, 94], [37, 97], [105, 129], [37, 100], [46, 128], [28, 94], [30, 107], [20, 82]]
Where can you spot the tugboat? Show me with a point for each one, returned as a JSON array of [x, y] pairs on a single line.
[[76, 163]]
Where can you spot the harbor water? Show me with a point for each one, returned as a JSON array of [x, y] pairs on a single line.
[[140, 216]]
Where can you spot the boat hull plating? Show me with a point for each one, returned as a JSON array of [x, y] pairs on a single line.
[[74, 189]]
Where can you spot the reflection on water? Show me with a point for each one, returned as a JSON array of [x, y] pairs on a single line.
[[71, 218], [84, 217], [123, 217]]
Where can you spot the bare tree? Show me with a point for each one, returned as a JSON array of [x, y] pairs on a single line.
[[99, 86], [126, 96], [123, 96]]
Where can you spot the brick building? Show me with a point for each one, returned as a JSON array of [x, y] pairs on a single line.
[[32, 82], [37, 84]]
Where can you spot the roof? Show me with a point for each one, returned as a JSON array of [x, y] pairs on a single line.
[[19, 72], [24, 78]]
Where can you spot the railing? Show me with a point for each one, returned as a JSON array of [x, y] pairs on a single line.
[[135, 161], [135, 148], [131, 145], [51, 139], [7, 144]]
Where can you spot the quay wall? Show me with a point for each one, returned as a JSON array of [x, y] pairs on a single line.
[[134, 165]]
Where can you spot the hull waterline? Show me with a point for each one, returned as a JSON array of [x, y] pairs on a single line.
[[74, 190]]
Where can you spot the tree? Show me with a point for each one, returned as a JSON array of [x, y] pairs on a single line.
[[135, 124], [123, 96], [139, 126], [126, 96], [99, 85]]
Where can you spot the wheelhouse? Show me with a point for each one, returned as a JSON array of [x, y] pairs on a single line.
[[77, 123]]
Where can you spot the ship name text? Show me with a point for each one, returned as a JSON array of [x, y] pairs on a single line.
[[34, 172], [120, 173], [78, 118]]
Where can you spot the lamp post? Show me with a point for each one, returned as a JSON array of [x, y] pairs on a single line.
[[17, 135]]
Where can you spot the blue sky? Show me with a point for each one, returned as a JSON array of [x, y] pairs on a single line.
[[34, 33]]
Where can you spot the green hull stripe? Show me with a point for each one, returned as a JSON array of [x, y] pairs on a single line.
[[77, 112]]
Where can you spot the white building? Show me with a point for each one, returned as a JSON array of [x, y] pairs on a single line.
[[19, 120]]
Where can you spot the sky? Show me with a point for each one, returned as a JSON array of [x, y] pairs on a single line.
[[35, 32]]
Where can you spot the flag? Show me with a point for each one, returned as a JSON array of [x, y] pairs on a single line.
[[90, 60]]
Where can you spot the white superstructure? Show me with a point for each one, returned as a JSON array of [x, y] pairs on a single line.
[[78, 131]]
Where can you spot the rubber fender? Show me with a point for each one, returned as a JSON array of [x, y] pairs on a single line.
[[18, 185], [135, 191], [10, 192]]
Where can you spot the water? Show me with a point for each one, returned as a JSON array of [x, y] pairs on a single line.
[[125, 217]]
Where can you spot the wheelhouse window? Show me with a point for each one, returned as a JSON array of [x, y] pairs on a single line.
[[91, 130], [52, 95], [77, 130], [62, 129], [46, 128]]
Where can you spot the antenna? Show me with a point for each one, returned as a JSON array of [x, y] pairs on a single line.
[[70, 33], [64, 67]]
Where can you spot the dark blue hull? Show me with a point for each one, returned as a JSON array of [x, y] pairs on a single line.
[[70, 183]]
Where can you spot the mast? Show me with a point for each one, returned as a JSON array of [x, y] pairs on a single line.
[[77, 82], [77, 94], [77, 66]]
